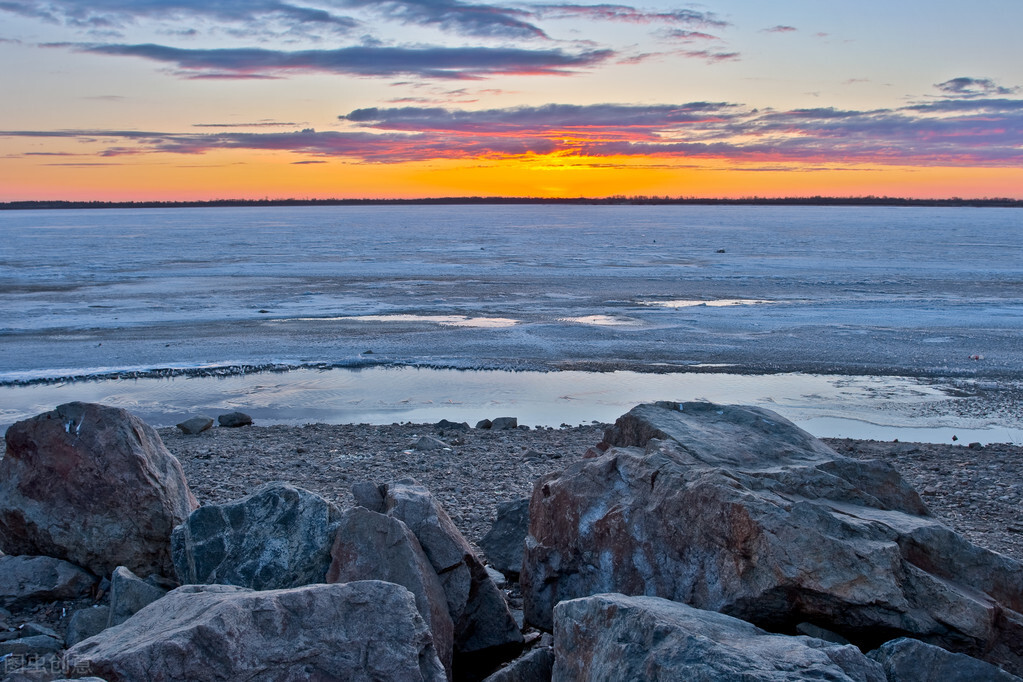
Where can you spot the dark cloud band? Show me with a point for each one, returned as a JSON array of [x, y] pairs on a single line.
[[952, 132], [432, 62]]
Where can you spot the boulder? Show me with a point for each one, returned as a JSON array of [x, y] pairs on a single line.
[[372, 546], [496, 576], [93, 485], [84, 623], [910, 660], [535, 666], [195, 425], [484, 424], [233, 420], [478, 609], [369, 495], [504, 423], [31, 629], [30, 647], [736, 510], [614, 637], [445, 426], [429, 443], [279, 536], [28, 579], [129, 594], [367, 630], [504, 542]]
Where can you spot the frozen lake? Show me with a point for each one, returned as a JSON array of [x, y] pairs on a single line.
[[794, 291]]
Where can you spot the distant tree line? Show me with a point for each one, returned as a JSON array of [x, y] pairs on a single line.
[[605, 201]]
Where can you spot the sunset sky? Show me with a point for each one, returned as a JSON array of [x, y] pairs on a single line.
[[206, 99]]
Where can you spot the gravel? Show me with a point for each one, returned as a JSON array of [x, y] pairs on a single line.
[[976, 491]]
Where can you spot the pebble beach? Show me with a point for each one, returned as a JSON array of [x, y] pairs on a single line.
[[977, 491]]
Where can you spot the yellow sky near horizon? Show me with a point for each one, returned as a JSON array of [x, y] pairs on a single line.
[[181, 99]]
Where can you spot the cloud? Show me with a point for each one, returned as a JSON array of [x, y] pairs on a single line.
[[628, 14], [283, 18], [540, 120], [468, 18], [427, 62], [685, 35], [954, 132], [973, 87], [710, 56], [780, 28], [258, 124], [978, 106], [123, 13]]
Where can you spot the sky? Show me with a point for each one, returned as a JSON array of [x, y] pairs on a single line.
[[227, 99]]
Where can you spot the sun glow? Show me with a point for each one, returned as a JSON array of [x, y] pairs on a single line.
[[246, 174]]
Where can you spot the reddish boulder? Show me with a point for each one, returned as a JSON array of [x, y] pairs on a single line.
[[93, 485], [735, 509]]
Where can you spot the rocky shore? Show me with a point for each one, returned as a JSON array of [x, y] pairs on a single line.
[[976, 491], [354, 551]]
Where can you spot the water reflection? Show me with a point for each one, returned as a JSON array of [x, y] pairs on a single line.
[[861, 407]]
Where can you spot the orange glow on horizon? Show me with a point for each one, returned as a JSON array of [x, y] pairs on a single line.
[[279, 175]]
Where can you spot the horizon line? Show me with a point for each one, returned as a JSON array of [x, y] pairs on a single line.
[[816, 200]]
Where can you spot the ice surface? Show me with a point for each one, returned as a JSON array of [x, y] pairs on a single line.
[[932, 292], [896, 290]]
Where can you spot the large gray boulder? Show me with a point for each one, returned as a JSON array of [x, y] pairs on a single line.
[[372, 546], [279, 536], [910, 660], [367, 630], [93, 485], [614, 637], [478, 609], [736, 510], [28, 579]]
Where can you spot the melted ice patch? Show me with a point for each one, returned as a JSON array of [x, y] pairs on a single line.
[[444, 320], [717, 303], [602, 321]]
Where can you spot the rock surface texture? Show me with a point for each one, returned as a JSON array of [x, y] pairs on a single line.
[[357, 631], [614, 637], [277, 537], [506, 539], [129, 594], [736, 510], [478, 610], [910, 660], [27, 579], [372, 546], [93, 485]]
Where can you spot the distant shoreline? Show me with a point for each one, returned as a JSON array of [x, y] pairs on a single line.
[[513, 201]]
